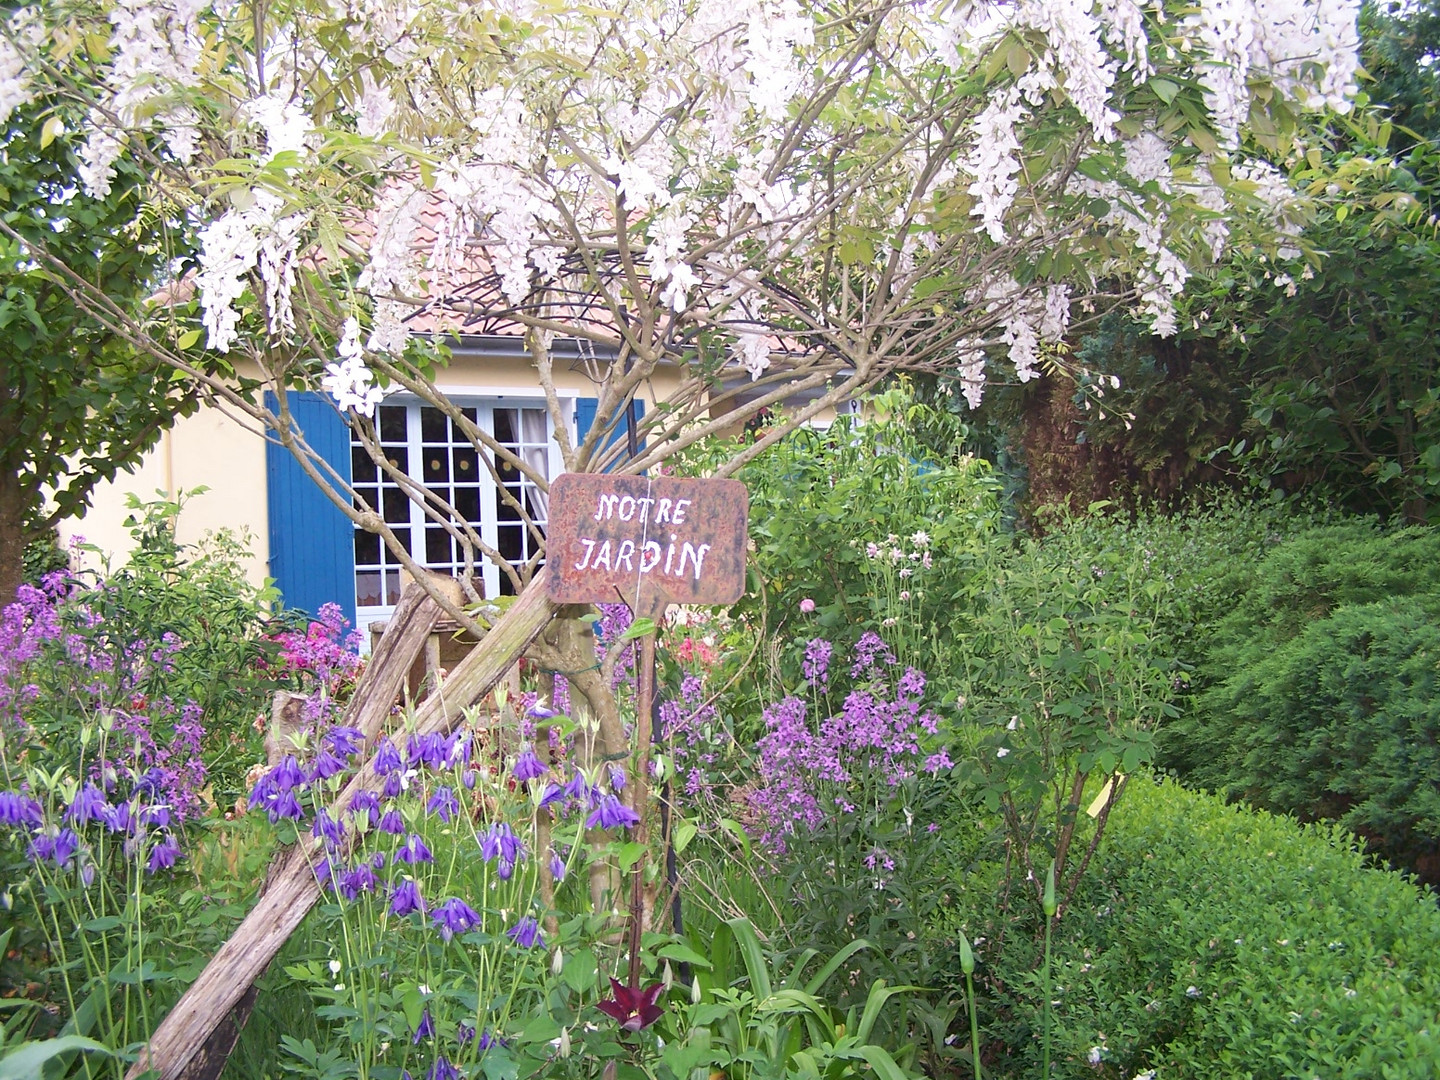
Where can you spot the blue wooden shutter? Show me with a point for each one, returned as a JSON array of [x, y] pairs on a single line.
[[585, 408], [312, 542]]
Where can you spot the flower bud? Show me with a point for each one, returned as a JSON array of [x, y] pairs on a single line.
[[695, 993], [564, 1034], [557, 962], [967, 958]]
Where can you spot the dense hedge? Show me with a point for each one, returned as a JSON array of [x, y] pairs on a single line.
[[1213, 940], [1318, 691]]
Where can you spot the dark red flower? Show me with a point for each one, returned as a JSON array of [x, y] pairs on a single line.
[[633, 1009]]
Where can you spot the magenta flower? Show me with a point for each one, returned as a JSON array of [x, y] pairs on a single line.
[[807, 606]]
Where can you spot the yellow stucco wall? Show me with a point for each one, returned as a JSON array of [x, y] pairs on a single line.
[[215, 451]]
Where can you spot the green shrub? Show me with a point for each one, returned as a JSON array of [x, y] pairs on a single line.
[[1218, 941], [1317, 691]]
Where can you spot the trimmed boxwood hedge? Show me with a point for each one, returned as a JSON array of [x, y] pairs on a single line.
[[1212, 940]]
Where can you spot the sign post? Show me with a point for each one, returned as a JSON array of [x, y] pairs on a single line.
[[649, 542]]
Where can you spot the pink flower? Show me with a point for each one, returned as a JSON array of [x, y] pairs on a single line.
[[807, 606]]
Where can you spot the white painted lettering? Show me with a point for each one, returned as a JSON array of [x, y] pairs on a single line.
[[669, 553], [696, 555], [625, 555], [589, 548], [606, 507], [678, 517], [602, 555], [645, 505], [663, 514], [626, 513], [649, 556]]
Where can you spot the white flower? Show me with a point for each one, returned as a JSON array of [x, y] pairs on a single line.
[[1095, 1055], [335, 967], [1002, 752], [1192, 991], [920, 538], [350, 382]]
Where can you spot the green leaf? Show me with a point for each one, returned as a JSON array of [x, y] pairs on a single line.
[[51, 131], [188, 339], [638, 628], [629, 854], [1164, 89], [684, 832], [682, 953], [26, 1062]]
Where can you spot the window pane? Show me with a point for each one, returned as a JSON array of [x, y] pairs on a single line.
[[369, 494], [505, 424], [392, 423], [434, 425], [367, 551], [467, 502], [511, 543], [367, 589], [437, 465], [467, 464], [399, 458], [504, 509], [437, 546], [392, 587], [362, 468], [397, 507]]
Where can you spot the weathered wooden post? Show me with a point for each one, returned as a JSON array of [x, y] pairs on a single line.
[[650, 542]]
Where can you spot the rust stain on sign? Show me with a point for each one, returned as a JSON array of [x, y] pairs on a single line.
[[647, 540]]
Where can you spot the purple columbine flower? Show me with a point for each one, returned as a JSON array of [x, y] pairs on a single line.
[[557, 867], [413, 850], [464, 1033], [426, 1030], [617, 778], [327, 827], [577, 787], [407, 899], [285, 805], [443, 1070], [387, 757], [391, 822], [326, 765], [66, 844], [157, 815], [87, 806], [489, 1040], [21, 811], [527, 766], [457, 748], [610, 813], [41, 848], [394, 785], [526, 933], [367, 803], [163, 854], [469, 778], [344, 740], [444, 803], [353, 882], [554, 793], [288, 774], [454, 916], [122, 818], [428, 750], [500, 842]]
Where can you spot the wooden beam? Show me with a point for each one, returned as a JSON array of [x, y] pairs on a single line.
[[293, 888]]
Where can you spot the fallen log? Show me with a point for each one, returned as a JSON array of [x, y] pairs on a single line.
[[293, 888]]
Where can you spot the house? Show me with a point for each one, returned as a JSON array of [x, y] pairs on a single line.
[[305, 543]]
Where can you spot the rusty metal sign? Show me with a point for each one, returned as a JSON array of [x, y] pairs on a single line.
[[649, 541]]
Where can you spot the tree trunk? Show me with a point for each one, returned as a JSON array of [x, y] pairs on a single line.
[[12, 537]]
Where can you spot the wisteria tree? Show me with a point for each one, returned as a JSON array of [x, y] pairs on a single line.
[[816, 195], [811, 194]]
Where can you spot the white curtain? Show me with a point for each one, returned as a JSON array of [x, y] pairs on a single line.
[[535, 440]]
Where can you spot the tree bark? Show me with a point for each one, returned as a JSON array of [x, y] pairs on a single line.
[[12, 537]]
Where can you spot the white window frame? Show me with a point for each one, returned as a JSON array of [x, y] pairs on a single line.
[[484, 401]]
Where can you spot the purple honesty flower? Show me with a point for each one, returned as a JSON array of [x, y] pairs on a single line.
[[816, 666], [935, 762], [501, 842], [526, 933], [327, 827], [426, 1030], [387, 757], [527, 766], [87, 806], [609, 813], [413, 850], [21, 811], [391, 822], [444, 803], [164, 853], [344, 740], [407, 899], [454, 916]]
